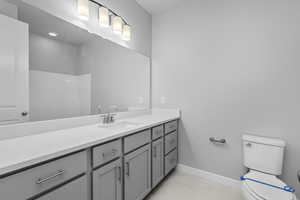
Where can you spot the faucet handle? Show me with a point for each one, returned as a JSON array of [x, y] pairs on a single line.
[[105, 118], [111, 117]]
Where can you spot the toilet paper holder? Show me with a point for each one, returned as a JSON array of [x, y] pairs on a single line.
[[214, 140]]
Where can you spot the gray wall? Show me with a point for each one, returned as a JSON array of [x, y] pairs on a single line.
[[231, 66], [46, 54]]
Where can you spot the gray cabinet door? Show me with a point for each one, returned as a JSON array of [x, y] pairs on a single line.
[[107, 182], [138, 173], [75, 190], [157, 162]]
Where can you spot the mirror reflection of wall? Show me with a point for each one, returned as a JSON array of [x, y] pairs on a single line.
[[120, 77], [56, 88], [74, 73]]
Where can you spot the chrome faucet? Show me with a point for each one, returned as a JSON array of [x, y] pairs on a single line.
[[108, 118]]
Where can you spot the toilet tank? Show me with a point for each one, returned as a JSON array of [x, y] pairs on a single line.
[[263, 154]]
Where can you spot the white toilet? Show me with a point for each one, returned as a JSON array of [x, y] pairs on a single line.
[[264, 159]]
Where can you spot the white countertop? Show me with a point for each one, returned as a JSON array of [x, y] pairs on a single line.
[[25, 151]]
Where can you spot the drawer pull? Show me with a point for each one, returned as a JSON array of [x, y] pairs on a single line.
[[111, 153], [43, 180]]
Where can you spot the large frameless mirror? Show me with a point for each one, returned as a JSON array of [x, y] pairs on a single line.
[[71, 72]]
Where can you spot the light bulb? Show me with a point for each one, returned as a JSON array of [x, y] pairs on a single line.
[[126, 35], [117, 25], [104, 16], [83, 9]]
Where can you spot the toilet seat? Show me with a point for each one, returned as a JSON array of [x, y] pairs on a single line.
[[263, 192]]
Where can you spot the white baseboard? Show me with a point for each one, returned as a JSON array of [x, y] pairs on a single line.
[[209, 176]]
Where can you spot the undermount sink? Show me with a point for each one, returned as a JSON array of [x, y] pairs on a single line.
[[119, 125]]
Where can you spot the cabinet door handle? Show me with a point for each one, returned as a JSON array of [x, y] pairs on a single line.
[[43, 180], [120, 173], [154, 151], [127, 169]]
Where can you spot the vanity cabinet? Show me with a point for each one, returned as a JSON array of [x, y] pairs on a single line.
[[126, 168], [157, 161], [75, 190], [107, 182], [137, 177]]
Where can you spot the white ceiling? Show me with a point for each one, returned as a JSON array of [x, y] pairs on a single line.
[[158, 6]]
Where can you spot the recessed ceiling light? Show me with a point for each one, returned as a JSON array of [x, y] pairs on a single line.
[[53, 34]]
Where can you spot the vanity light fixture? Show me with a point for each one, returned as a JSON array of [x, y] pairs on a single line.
[[104, 16], [117, 25], [53, 34], [126, 35], [83, 9]]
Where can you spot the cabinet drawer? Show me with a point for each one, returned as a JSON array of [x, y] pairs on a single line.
[[106, 152], [75, 190], [137, 140], [170, 142], [38, 179], [171, 161], [157, 132], [170, 127]]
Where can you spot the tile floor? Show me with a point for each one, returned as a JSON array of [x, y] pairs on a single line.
[[181, 186]]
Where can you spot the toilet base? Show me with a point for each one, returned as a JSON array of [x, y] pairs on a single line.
[[247, 195]]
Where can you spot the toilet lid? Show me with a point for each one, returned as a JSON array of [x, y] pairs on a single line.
[[265, 191]]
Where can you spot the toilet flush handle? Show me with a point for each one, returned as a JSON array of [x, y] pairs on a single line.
[[249, 144]]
